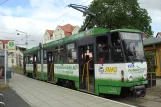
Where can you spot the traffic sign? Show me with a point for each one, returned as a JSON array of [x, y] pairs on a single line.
[[11, 45]]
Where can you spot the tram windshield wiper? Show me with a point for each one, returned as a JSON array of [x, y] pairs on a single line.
[[139, 57], [130, 55]]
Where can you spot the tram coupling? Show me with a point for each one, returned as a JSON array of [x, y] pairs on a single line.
[[139, 91]]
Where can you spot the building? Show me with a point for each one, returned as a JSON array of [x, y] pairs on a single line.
[[64, 31], [60, 32], [19, 55], [48, 36], [158, 35], [15, 57], [153, 44]]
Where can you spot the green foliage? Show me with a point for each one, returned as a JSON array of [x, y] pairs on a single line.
[[118, 14], [150, 58]]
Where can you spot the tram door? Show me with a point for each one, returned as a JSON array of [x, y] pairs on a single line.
[[35, 66], [50, 67], [86, 70]]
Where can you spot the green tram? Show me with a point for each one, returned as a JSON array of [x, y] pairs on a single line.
[[97, 61]]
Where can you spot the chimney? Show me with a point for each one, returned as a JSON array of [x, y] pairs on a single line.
[[144, 36]]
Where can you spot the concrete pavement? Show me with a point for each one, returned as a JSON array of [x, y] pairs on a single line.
[[42, 94]]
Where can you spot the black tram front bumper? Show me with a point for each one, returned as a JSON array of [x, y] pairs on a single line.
[[139, 91]]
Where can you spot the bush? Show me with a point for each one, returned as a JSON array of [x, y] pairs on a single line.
[[151, 61]]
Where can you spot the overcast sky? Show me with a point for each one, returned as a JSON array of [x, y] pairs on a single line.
[[35, 16]]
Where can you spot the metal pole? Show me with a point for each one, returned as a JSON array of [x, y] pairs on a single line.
[[5, 65], [26, 41], [42, 59], [151, 79], [12, 64]]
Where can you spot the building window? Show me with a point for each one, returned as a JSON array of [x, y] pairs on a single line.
[[1, 45]]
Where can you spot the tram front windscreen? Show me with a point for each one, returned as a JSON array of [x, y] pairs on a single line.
[[133, 46]]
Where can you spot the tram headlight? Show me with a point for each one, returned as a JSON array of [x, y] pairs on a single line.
[[144, 75], [130, 78]]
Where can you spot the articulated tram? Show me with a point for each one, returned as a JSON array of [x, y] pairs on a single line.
[[98, 61]]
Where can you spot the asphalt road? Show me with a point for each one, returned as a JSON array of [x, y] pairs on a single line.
[[12, 99]]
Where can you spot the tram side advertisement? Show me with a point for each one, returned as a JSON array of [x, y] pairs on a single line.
[[69, 71], [112, 72]]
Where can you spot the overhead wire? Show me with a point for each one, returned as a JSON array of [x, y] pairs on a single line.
[[63, 15], [3, 2], [53, 20], [60, 17]]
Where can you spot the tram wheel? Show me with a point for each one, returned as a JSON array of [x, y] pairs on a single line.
[[102, 95]]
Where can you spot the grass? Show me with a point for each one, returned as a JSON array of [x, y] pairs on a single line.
[[3, 86], [18, 68]]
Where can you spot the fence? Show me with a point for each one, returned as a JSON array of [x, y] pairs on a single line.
[[151, 77]]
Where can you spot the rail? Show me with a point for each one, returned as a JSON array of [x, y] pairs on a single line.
[[2, 104], [87, 68], [150, 77], [1, 97], [1, 101]]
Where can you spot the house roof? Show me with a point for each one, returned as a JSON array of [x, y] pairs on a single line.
[[68, 28], [144, 35], [151, 41], [158, 33], [21, 48], [4, 42], [50, 32]]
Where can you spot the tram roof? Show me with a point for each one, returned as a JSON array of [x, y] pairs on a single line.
[[31, 50], [126, 30], [68, 39]]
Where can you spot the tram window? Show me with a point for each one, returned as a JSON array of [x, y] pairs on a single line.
[[117, 55], [45, 56], [39, 58], [71, 53], [56, 56], [102, 49], [50, 57], [26, 60], [30, 60], [62, 54], [115, 39]]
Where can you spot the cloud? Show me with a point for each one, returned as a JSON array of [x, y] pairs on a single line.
[[154, 10], [47, 14], [150, 4], [41, 15]]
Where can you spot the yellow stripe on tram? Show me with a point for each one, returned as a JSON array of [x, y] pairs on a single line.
[[88, 74]]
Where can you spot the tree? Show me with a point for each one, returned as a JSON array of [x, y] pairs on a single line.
[[117, 14]]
